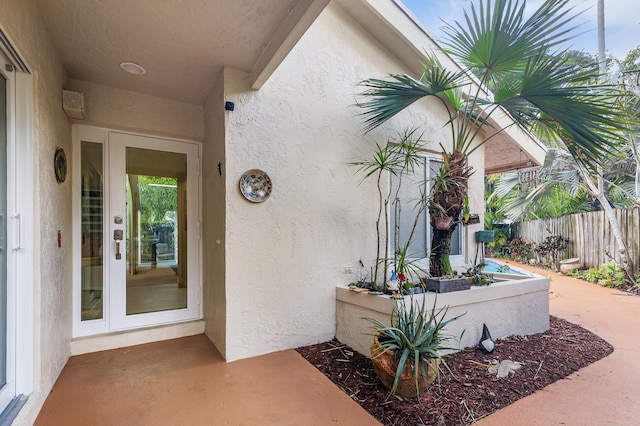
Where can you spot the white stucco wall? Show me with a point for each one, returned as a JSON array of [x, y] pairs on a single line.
[[52, 268], [129, 111], [285, 256], [213, 217]]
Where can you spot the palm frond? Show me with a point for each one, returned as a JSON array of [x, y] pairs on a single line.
[[551, 93], [386, 98], [495, 36]]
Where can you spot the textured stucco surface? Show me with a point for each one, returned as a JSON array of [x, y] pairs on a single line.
[[135, 112], [270, 270], [285, 256], [519, 307], [52, 269], [213, 223]]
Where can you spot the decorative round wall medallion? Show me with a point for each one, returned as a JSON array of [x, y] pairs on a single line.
[[255, 185], [60, 165]]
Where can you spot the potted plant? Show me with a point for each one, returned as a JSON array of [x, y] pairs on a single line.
[[477, 276], [406, 354], [447, 283]]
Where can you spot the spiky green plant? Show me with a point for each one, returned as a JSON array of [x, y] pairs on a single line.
[[416, 335]]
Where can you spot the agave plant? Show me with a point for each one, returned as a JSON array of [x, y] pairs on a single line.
[[416, 336], [509, 63]]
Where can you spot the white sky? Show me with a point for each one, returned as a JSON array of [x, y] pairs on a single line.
[[622, 21]]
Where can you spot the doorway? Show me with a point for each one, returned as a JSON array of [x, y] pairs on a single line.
[[139, 231]]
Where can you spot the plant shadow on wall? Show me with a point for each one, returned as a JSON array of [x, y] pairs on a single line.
[[511, 65]]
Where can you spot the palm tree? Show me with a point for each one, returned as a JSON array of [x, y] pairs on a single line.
[[515, 56]]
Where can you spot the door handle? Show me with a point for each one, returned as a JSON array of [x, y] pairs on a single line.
[[18, 218], [117, 236]]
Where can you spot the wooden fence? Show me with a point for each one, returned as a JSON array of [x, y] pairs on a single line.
[[590, 235]]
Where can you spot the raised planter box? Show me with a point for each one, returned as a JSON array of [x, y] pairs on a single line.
[[446, 285], [519, 305]]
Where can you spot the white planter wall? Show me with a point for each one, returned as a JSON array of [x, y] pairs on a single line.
[[515, 307]]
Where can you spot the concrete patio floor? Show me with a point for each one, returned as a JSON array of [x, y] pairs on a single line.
[[186, 382], [606, 392]]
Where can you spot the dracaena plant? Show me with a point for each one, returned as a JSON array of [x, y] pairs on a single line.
[[508, 64], [399, 157]]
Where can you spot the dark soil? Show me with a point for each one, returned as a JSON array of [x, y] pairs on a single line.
[[466, 391]]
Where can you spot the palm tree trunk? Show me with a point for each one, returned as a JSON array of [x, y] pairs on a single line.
[[596, 190], [447, 200], [439, 264]]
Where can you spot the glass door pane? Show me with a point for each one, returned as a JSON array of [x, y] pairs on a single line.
[[154, 256], [155, 245], [92, 201]]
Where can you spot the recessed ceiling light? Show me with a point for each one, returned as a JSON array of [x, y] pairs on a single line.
[[133, 68]]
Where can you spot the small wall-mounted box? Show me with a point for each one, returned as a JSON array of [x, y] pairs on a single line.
[[73, 104], [484, 236]]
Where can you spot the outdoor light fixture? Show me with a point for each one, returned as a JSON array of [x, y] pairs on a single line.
[[133, 68]]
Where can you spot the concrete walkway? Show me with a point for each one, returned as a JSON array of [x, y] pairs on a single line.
[[186, 382], [606, 392]]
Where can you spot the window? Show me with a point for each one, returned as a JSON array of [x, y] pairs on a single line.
[[403, 213]]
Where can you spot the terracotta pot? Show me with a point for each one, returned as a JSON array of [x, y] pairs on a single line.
[[385, 365], [568, 265]]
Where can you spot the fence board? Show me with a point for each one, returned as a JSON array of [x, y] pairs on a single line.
[[590, 236]]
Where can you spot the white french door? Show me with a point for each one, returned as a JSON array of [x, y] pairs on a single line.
[[139, 232]]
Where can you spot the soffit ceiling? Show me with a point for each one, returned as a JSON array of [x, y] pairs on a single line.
[[181, 44], [184, 44]]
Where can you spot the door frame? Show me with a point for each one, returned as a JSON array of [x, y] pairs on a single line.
[[20, 225], [109, 323]]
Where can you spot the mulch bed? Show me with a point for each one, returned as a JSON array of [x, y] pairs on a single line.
[[466, 392]]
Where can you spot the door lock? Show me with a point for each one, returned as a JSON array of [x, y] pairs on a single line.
[[117, 236]]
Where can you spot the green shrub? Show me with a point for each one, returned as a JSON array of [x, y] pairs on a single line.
[[551, 249], [608, 275], [518, 249]]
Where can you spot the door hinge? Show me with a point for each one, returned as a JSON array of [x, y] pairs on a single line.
[[9, 68]]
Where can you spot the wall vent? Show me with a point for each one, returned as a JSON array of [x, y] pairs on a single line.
[[73, 104]]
